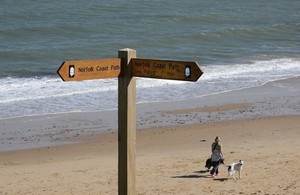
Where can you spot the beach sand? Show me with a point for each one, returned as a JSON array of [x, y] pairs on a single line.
[[258, 125]]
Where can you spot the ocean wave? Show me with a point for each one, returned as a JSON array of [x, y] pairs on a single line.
[[238, 44], [13, 89], [260, 68]]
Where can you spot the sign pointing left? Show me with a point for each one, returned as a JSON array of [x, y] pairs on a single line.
[[89, 69]]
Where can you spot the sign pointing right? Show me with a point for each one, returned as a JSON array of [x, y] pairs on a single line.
[[165, 69]]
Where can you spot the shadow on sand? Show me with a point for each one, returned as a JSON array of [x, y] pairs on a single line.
[[192, 176], [201, 174]]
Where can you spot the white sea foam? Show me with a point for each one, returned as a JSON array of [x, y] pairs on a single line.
[[276, 67], [29, 96]]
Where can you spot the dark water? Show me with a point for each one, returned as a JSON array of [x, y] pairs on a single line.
[[238, 44]]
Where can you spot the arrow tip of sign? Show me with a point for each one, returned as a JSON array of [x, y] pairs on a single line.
[[58, 71]]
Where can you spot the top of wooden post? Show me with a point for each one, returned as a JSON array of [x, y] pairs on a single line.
[[124, 53]]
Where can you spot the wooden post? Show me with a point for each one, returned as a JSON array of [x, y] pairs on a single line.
[[126, 125]]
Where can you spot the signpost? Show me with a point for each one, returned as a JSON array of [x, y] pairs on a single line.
[[126, 67], [89, 69]]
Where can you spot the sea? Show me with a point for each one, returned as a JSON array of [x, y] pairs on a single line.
[[237, 43]]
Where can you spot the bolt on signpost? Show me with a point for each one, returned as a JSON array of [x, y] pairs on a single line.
[[125, 68]]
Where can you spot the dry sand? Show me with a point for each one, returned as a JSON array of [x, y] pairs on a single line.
[[170, 157]]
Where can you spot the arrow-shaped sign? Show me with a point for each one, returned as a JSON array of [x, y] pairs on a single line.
[[89, 69], [165, 69]]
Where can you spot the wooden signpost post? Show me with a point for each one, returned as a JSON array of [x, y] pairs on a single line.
[[126, 124], [125, 68]]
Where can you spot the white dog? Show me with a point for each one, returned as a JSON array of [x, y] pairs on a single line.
[[232, 168]]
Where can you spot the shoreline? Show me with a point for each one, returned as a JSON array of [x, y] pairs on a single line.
[[146, 103], [276, 98]]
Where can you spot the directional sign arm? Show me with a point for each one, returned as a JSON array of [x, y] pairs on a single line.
[[89, 69], [166, 69]]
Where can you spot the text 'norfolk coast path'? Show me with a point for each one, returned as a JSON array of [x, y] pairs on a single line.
[[90, 69], [165, 69]]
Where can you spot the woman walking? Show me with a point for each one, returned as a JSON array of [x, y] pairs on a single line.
[[216, 156]]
